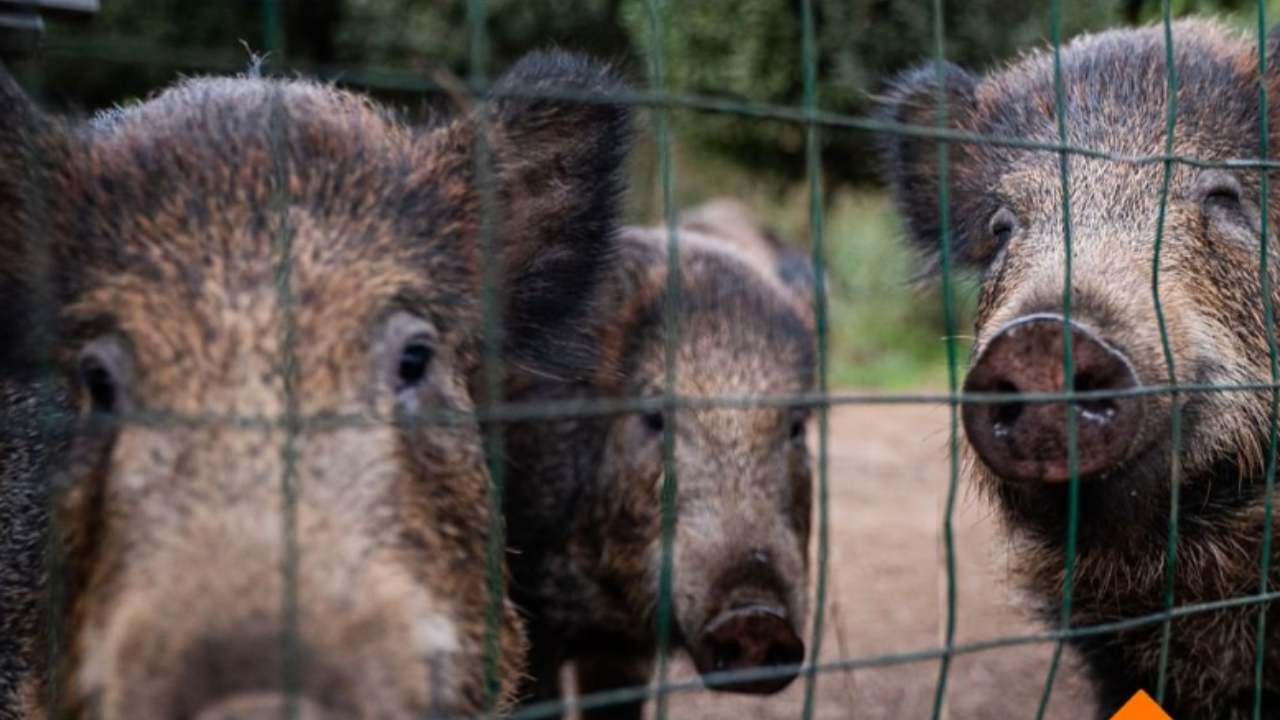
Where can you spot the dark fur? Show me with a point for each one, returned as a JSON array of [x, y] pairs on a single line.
[[1115, 86], [159, 228], [33, 420], [583, 504]]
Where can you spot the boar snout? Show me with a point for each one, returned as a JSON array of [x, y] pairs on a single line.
[[239, 676], [751, 628], [754, 636], [1027, 441]]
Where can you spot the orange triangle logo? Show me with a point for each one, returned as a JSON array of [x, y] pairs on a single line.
[[1141, 707]]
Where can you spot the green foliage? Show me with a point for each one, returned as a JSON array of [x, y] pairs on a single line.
[[886, 331], [743, 49], [434, 34], [751, 49], [133, 46]]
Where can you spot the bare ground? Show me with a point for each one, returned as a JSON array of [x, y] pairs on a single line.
[[888, 482]]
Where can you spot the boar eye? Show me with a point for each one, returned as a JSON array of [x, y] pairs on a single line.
[[1221, 189], [1225, 194], [406, 350], [97, 381], [654, 421], [1002, 225], [415, 358], [799, 422], [797, 429], [99, 374]]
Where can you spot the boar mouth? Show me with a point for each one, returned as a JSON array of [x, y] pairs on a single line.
[[1126, 512]]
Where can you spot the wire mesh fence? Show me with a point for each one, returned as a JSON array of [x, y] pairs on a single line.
[[660, 104]]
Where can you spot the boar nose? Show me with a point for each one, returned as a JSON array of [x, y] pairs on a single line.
[[745, 638], [238, 676], [1027, 441], [262, 706]]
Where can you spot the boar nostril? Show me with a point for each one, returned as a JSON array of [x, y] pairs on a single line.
[[779, 656], [725, 653], [1099, 409], [1005, 414]]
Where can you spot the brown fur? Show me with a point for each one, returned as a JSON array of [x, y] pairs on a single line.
[[584, 507], [252, 374], [1115, 85]]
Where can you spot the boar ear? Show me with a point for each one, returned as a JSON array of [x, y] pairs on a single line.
[[737, 225], [795, 269], [27, 150], [559, 145], [910, 162]]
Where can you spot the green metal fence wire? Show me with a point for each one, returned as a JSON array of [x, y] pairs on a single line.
[[948, 311], [492, 341], [38, 257], [662, 103], [1068, 361], [293, 421], [1175, 420], [813, 167], [671, 329], [1268, 306]]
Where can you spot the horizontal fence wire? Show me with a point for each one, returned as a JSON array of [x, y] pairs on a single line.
[[388, 79], [524, 411], [662, 103], [884, 660]]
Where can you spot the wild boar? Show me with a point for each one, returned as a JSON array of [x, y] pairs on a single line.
[[1006, 210], [583, 504], [261, 290]]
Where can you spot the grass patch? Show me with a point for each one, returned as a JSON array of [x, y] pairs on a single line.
[[887, 327]]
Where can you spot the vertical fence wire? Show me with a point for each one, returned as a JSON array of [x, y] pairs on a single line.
[[1068, 361], [492, 342], [813, 168], [1175, 420], [671, 331], [949, 322], [39, 257], [1268, 306], [273, 38]]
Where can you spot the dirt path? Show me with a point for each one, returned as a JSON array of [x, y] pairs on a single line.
[[888, 483]]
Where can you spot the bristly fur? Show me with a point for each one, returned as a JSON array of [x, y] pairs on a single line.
[[1115, 88]]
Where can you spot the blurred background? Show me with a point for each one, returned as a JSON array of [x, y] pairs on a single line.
[[887, 330]]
